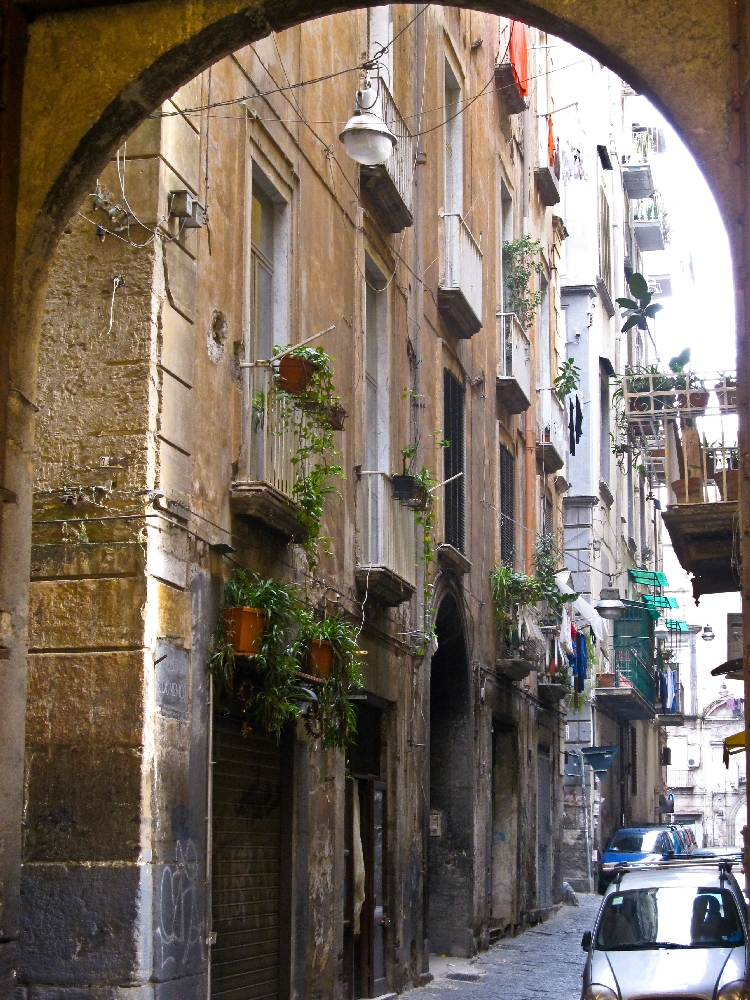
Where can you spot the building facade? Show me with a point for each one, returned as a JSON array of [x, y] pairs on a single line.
[[165, 844]]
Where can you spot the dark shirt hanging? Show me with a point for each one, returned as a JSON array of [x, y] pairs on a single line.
[[579, 420], [572, 430]]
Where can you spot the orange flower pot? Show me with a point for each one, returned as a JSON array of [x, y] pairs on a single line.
[[321, 657], [605, 680], [695, 490], [294, 374], [733, 484], [244, 629]]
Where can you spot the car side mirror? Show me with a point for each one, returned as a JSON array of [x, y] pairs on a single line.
[[586, 941]]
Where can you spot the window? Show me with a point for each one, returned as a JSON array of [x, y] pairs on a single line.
[[377, 457], [267, 277], [507, 506], [604, 439], [605, 241], [454, 185], [453, 432], [506, 236], [546, 515]]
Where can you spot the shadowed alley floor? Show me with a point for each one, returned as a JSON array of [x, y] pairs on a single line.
[[544, 962]]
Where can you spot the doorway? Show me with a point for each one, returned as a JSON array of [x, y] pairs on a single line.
[[544, 830], [251, 829], [505, 769], [450, 847], [365, 885]]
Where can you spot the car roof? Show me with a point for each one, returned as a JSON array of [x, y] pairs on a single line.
[[655, 876]]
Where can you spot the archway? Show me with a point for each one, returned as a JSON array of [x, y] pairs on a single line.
[[72, 121], [450, 866]]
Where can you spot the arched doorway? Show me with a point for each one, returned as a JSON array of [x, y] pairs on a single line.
[[450, 851]]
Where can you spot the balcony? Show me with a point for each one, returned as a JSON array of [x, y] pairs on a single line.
[[460, 285], [552, 433], [687, 424], [677, 717], [388, 186], [505, 85], [386, 568], [548, 183], [628, 692], [265, 486], [638, 181], [513, 380], [649, 234], [680, 780]]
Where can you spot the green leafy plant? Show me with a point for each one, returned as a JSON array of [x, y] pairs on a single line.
[[310, 415], [521, 261], [510, 592], [332, 718], [637, 311], [266, 686], [568, 379], [546, 560], [425, 517]]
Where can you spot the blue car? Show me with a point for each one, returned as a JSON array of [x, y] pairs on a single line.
[[645, 843]]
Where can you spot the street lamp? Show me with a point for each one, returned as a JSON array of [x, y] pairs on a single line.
[[366, 137], [609, 604], [708, 634]]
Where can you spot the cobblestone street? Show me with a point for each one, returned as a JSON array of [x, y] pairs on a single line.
[[544, 962]]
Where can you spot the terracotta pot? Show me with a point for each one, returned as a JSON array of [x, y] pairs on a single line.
[[733, 484], [727, 393], [321, 657], [335, 416], [294, 374], [695, 490], [693, 401], [605, 680], [244, 629]]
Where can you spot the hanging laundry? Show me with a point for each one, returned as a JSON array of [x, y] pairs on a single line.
[[566, 631], [550, 141], [579, 420], [519, 57], [663, 692], [671, 690], [572, 430]]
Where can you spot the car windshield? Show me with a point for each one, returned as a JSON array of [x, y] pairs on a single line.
[[634, 841], [669, 917]]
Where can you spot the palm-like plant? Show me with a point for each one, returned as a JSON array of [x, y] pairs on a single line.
[[640, 309]]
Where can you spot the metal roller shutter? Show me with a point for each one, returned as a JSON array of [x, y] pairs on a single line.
[[246, 864]]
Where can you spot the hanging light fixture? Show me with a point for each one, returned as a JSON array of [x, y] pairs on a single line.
[[609, 604], [366, 137], [708, 634], [661, 631]]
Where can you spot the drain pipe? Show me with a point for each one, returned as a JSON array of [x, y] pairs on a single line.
[[529, 457]]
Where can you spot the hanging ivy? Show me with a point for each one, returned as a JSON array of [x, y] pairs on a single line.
[[521, 261]]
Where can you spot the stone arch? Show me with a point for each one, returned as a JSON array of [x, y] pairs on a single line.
[[736, 820]]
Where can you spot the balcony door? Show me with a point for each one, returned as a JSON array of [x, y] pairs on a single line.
[[377, 417]]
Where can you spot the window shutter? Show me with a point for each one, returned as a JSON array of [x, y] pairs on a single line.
[[453, 464]]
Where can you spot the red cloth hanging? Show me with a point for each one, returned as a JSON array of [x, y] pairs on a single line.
[[519, 57], [550, 141]]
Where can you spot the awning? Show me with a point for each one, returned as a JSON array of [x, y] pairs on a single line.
[[675, 625], [733, 744], [647, 578], [657, 601], [589, 614]]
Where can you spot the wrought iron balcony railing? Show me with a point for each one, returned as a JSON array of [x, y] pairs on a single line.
[[513, 379], [386, 566], [460, 285]]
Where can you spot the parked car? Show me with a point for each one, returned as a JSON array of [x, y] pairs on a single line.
[[644, 843], [675, 929]]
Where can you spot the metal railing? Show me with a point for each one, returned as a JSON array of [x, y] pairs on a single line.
[[514, 351], [400, 164], [631, 670], [460, 261], [680, 779], [387, 529], [633, 650], [273, 430]]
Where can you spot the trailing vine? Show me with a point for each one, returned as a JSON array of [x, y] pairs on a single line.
[[314, 447], [425, 517], [521, 261], [332, 718]]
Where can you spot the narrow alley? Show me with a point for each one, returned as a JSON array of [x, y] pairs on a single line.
[[545, 961]]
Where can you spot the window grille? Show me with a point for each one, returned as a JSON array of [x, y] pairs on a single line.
[[453, 463]]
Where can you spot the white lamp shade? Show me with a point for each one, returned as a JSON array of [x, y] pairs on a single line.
[[367, 139], [661, 631], [609, 604]]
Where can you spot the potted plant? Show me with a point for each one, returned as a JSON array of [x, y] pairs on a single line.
[[696, 397], [694, 490], [726, 390], [294, 372], [330, 645], [262, 681], [409, 488]]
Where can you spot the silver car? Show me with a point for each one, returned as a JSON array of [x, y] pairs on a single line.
[[668, 931]]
